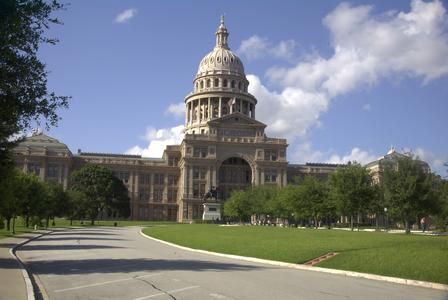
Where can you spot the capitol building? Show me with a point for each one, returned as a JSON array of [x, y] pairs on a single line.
[[225, 148]]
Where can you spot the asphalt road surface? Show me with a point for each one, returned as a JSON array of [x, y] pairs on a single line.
[[118, 263]]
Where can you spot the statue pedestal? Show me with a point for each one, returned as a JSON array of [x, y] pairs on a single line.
[[212, 211]]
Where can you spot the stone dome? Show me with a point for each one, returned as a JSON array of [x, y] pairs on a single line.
[[221, 60]]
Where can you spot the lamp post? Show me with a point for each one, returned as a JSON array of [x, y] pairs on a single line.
[[387, 220]]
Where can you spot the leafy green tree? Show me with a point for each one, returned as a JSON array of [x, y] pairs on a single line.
[[76, 205], [352, 189], [8, 204], [119, 202], [409, 190], [101, 189], [55, 202], [238, 205], [24, 95], [31, 196]]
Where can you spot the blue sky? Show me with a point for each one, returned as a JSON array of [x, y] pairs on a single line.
[[341, 80]]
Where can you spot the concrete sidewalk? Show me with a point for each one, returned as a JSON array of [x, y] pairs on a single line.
[[12, 283]]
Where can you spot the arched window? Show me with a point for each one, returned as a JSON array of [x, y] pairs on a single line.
[[232, 84], [197, 86], [224, 83], [216, 82], [239, 85], [208, 83], [202, 84]]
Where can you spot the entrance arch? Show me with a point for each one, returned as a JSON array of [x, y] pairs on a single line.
[[235, 173]]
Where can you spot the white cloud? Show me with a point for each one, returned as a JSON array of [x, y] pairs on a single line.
[[356, 155], [158, 139], [178, 110], [125, 15], [436, 162], [366, 48], [305, 153], [289, 113], [257, 47]]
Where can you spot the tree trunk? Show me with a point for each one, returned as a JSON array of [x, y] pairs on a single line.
[[27, 221], [71, 221], [53, 223], [47, 222], [351, 222], [8, 224], [92, 222], [14, 225], [376, 221], [357, 221], [407, 227]]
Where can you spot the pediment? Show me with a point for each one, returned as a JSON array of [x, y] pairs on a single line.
[[236, 119]]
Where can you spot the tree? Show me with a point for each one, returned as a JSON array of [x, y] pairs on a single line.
[[55, 202], [103, 192], [9, 206], [352, 189], [119, 202], [31, 196], [24, 95], [238, 205], [409, 190], [76, 205]]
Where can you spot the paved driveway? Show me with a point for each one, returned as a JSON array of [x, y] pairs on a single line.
[[118, 263]]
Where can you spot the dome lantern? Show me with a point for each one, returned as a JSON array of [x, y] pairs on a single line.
[[222, 35]]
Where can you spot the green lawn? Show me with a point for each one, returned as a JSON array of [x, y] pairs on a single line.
[[399, 255]]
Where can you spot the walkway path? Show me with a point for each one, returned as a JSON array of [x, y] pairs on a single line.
[[118, 263]]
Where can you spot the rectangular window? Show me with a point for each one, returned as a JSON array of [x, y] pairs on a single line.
[[173, 179], [270, 155], [157, 195], [270, 175], [53, 171], [199, 173], [144, 179], [200, 152], [172, 195], [173, 161], [34, 168], [159, 179], [143, 194]]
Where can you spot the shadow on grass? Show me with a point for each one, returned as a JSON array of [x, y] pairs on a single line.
[[87, 266]]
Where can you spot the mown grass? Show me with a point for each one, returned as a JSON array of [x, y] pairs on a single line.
[[398, 255], [63, 223]]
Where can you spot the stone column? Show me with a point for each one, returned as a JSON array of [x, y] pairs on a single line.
[[151, 186], [165, 188], [220, 107], [209, 109], [190, 111], [198, 113], [190, 182]]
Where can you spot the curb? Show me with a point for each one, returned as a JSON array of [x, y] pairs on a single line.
[[27, 275], [409, 282]]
